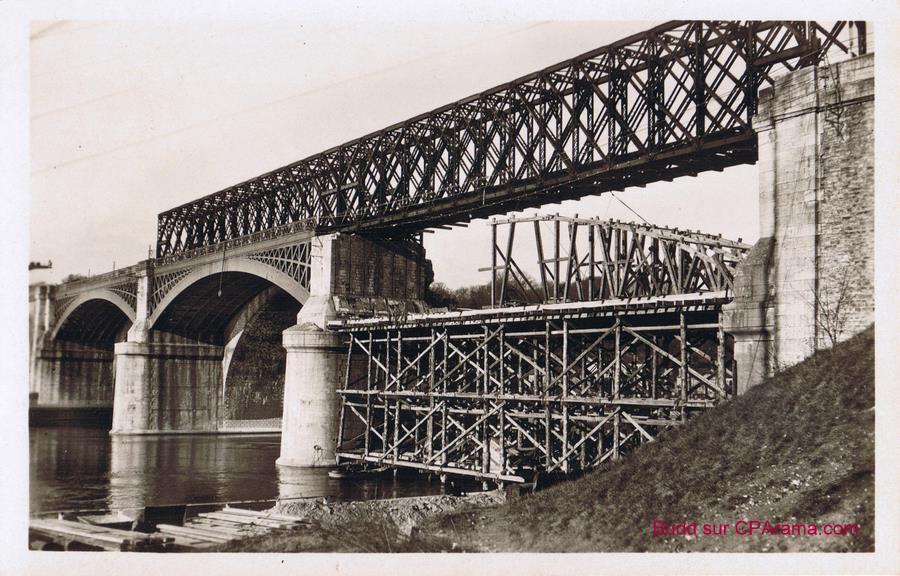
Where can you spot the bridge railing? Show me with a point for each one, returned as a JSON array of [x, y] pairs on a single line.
[[262, 235], [89, 282], [674, 100]]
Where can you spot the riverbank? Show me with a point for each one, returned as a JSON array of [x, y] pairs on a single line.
[[796, 451], [389, 525]]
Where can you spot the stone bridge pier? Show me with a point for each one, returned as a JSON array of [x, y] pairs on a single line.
[[164, 381], [351, 277]]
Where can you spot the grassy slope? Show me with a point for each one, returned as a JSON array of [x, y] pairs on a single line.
[[799, 447]]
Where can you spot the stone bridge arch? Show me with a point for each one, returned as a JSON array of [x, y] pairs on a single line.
[[164, 294], [177, 359], [74, 362], [101, 294]]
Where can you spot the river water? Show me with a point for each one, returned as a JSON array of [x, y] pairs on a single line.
[[79, 468]]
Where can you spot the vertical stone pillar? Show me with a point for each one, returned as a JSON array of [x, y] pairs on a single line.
[[167, 386], [139, 329], [314, 370], [349, 275], [131, 403], [163, 382], [133, 379], [749, 318], [39, 307]]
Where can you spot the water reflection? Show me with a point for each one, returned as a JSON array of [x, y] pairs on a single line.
[[304, 482], [84, 468], [69, 468], [191, 468]]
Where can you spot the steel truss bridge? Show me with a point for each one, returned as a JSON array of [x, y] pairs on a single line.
[[674, 100], [593, 368]]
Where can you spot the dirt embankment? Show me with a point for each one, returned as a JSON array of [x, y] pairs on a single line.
[[392, 525], [406, 513]]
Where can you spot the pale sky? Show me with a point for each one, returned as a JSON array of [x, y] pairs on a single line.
[[131, 118]]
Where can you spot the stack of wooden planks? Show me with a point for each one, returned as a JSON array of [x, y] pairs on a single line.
[[70, 535], [201, 532], [210, 529]]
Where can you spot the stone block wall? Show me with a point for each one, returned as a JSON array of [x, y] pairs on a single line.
[[817, 221], [846, 251], [69, 375], [167, 387]]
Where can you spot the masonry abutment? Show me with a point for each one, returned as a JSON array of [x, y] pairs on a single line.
[[71, 350], [816, 198], [71, 375]]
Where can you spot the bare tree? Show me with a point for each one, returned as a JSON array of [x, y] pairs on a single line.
[[832, 308]]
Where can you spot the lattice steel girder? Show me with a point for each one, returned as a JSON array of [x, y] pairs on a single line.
[[677, 99], [593, 259], [505, 399]]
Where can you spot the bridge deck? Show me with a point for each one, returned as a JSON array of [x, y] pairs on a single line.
[[708, 301]]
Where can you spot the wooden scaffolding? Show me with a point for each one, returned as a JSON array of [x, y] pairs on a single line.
[[501, 397]]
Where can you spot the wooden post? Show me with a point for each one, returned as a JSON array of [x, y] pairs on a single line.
[[501, 392], [546, 394], [565, 394], [429, 426], [591, 259], [542, 264], [444, 407], [571, 263], [507, 262], [396, 451], [617, 273], [683, 372], [556, 260], [369, 395], [653, 367], [398, 400], [387, 384], [720, 355], [494, 263], [617, 372], [340, 436], [485, 405], [616, 423]]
